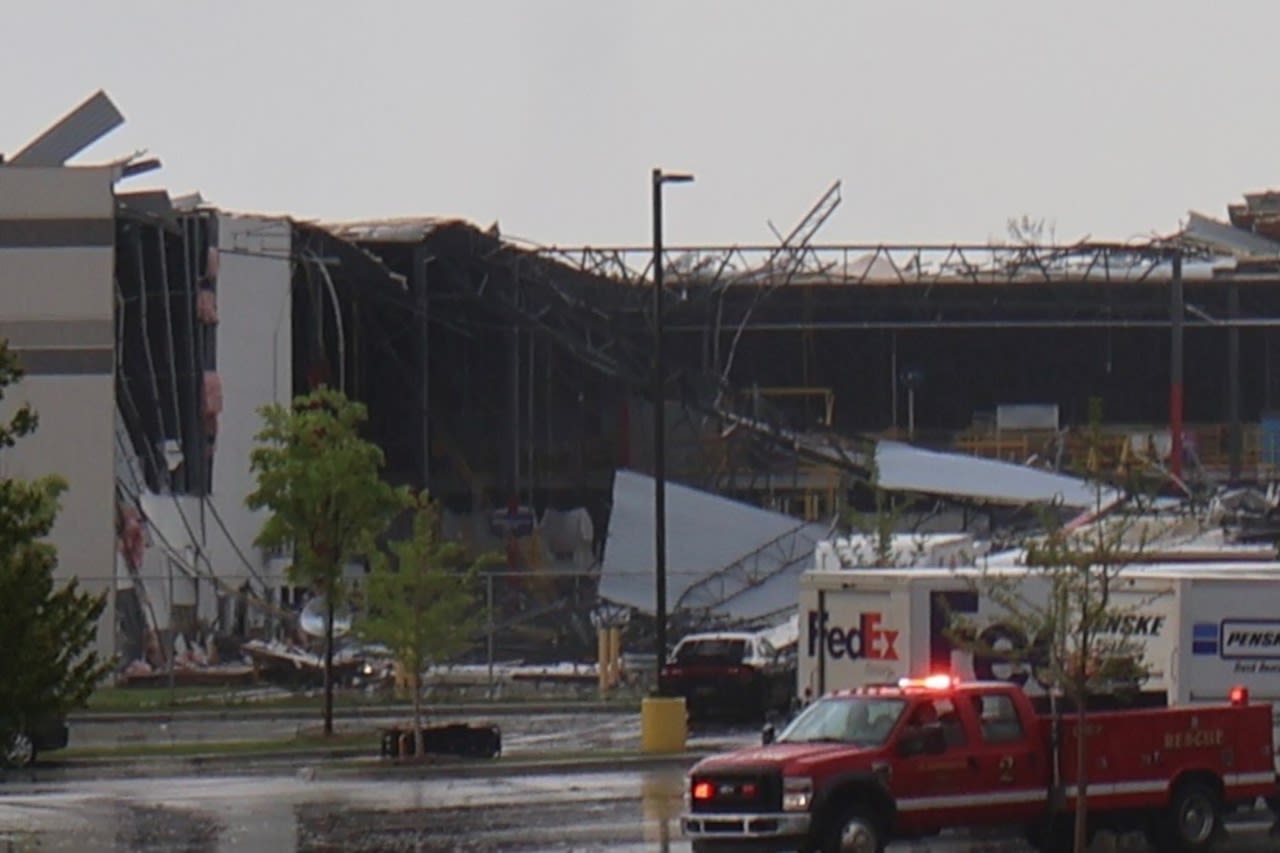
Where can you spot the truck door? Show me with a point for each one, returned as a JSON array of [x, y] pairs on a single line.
[[1006, 759], [935, 790]]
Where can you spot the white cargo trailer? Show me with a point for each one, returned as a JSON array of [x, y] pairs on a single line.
[[1204, 628]]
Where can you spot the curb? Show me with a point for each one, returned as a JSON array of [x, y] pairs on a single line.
[[250, 712], [510, 766], [346, 763]]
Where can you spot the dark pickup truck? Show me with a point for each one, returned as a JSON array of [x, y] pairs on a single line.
[[730, 675]]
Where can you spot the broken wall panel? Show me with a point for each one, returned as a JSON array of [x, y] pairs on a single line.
[[163, 349]]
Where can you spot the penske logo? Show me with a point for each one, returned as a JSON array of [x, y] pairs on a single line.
[[1237, 639]]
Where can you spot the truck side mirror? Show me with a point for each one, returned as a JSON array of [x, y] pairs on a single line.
[[768, 734]]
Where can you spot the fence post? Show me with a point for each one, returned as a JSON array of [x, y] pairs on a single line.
[[489, 611]]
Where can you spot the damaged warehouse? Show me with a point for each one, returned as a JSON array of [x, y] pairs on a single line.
[[513, 381]]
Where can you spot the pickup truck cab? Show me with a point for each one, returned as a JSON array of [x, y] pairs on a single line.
[[860, 768]]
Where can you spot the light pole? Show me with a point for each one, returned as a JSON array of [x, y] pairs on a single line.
[[659, 430]]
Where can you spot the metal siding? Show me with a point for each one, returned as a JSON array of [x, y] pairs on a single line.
[[42, 334], [58, 302], [82, 361], [75, 440], [84, 125], [56, 193], [255, 346], [57, 284], [61, 232]]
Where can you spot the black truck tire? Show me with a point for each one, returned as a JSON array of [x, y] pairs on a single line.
[[1191, 823], [1053, 835], [853, 829], [20, 751]]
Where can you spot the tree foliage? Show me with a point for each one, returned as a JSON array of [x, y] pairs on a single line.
[[1067, 602], [421, 603], [321, 482], [46, 630]]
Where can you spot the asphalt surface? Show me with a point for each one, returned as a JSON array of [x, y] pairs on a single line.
[[304, 811], [520, 802], [522, 733]]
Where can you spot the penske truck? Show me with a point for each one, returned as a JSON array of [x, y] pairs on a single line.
[[1203, 629]]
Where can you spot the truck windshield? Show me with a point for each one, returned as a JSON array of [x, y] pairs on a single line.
[[859, 720]]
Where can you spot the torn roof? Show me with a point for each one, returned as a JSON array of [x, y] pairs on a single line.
[[404, 229], [706, 534], [904, 468], [1229, 239]]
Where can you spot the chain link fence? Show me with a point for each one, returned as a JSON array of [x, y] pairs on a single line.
[[536, 629]]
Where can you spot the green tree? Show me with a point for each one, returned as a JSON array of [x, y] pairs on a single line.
[[1071, 615], [421, 604], [46, 631], [874, 533], [321, 483]]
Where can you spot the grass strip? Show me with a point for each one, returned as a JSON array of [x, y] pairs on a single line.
[[347, 742]]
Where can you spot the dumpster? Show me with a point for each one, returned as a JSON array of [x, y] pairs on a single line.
[[465, 740]]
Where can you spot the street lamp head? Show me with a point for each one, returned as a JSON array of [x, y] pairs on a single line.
[[661, 177]]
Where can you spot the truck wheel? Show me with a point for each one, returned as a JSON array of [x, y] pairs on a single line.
[[1057, 836], [853, 830], [21, 751], [1192, 822]]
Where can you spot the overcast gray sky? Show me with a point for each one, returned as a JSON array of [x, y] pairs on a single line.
[[944, 119]]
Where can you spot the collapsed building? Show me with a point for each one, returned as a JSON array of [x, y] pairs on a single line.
[[514, 381]]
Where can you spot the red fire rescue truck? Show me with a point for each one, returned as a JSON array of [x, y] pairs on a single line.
[[860, 768]]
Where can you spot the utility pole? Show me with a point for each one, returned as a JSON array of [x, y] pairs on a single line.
[[659, 431]]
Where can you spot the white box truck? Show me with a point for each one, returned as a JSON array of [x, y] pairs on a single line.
[[1204, 628]]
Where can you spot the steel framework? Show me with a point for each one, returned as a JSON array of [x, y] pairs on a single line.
[[902, 264]]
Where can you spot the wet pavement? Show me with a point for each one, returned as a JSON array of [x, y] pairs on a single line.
[[289, 806], [611, 811], [520, 733]]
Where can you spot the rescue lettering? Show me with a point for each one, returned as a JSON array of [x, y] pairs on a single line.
[[865, 640], [1194, 739]]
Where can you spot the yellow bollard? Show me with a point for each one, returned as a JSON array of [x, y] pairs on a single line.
[[602, 660], [663, 724], [615, 656]]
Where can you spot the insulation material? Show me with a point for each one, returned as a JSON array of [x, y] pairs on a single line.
[[133, 540], [211, 264], [207, 306], [212, 401]]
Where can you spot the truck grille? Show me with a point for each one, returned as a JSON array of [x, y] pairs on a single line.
[[737, 792]]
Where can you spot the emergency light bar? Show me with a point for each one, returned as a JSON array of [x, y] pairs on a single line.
[[930, 682]]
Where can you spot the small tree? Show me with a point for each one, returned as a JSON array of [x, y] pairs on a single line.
[[1076, 652], [46, 669], [880, 526], [423, 607], [320, 481]]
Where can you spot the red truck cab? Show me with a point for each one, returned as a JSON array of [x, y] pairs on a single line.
[[860, 768]]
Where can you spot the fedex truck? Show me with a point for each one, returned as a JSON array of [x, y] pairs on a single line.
[[1203, 628]]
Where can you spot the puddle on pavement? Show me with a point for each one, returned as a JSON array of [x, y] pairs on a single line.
[[93, 827]]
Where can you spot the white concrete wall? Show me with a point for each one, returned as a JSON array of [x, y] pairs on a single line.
[[255, 343], [56, 308]]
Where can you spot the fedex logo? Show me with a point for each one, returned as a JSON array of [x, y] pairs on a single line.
[[864, 640]]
